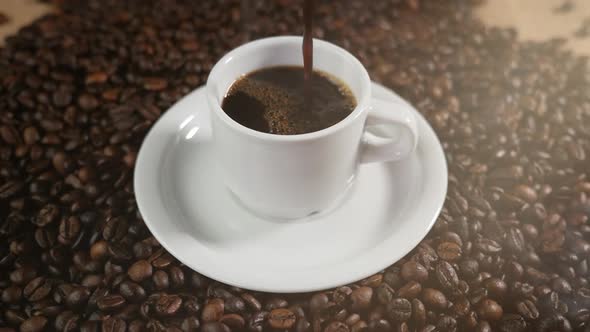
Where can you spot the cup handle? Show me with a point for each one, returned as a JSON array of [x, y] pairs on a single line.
[[396, 115]]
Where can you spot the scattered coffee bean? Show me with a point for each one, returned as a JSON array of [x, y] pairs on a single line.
[[434, 299], [489, 310], [113, 324], [414, 271], [399, 309], [34, 324], [110, 302], [140, 270], [213, 310], [449, 251], [281, 319], [361, 297], [319, 301]]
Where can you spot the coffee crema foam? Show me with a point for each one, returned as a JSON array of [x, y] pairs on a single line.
[[273, 100]]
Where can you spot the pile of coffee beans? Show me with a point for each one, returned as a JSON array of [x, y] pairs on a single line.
[[79, 90]]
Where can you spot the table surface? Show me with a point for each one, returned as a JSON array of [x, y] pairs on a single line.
[[535, 20]]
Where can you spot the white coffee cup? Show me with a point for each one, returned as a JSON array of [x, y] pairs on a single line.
[[295, 176]]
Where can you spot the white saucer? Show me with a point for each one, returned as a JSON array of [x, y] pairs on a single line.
[[387, 212]]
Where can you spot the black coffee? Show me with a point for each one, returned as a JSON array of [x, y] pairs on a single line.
[[273, 100]]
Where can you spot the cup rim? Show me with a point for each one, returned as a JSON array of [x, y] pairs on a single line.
[[215, 72]]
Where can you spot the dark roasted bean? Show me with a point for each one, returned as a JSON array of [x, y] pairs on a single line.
[[489, 310], [34, 324], [361, 297], [281, 319], [434, 299], [399, 309], [414, 271], [110, 302], [410, 290], [213, 310], [140, 270], [446, 275]]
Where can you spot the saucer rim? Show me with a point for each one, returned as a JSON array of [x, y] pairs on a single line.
[[376, 265]]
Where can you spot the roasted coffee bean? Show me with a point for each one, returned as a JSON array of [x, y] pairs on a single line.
[[142, 250], [214, 327], [67, 321], [527, 309], [339, 296], [12, 294], [418, 313], [489, 310], [233, 321], [393, 278], [483, 326], [399, 309], [256, 321], [235, 305], [90, 326], [319, 301], [410, 290], [352, 319], [561, 286], [69, 228], [449, 251], [168, 305], [372, 281], [110, 302], [190, 324], [37, 289], [281, 318], [488, 246], [213, 310], [384, 294], [99, 250], [131, 291], [380, 325], [113, 324], [469, 268], [176, 276], [434, 299], [414, 271], [161, 280], [23, 275], [361, 298], [251, 302], [512, 323], [115, 229], [77, 297], [140, 270], [161, 261], [496, 288], [555, 322], [47, 215], [275, 303], [447, 323], [446, 275], [34, 324]]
